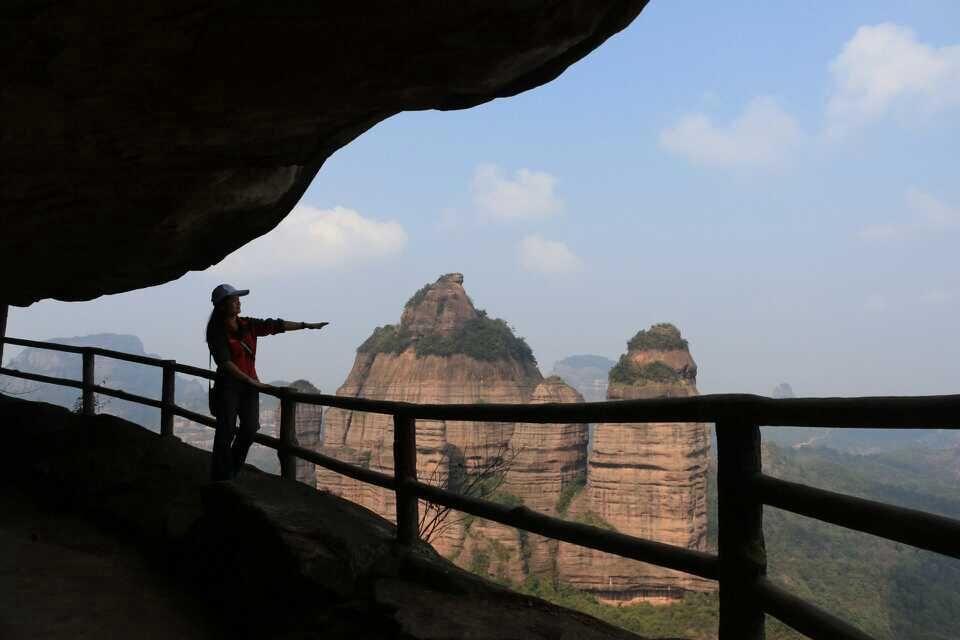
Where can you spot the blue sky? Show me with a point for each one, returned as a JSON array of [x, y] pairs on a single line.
[[778, 179]]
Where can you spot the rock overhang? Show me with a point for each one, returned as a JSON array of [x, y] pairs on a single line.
[[145, 140]]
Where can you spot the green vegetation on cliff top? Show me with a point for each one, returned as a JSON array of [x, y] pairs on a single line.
[[627, 372], [662, 336], [482, 338], [418, 297]]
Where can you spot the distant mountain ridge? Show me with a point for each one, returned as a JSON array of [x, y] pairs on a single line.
[[587, 373], [859, 441], [132, 377]]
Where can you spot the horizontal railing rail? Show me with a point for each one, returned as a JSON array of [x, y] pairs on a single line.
[[740, 567], [919, 412], [803, 616], [909, 526], [665, 555]]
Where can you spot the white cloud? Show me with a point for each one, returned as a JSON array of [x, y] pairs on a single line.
[[928, 214], [762, 136], [547, 256], [311, 238], [529, 195], [883, 67]]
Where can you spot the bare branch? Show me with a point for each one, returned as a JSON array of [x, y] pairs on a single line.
[[482, 482]]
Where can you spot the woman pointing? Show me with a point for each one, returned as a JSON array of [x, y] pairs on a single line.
[[232, 341]]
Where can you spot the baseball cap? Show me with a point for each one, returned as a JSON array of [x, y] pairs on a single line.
[[224, 291]]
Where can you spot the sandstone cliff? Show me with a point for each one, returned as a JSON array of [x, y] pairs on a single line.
[[444, 350], [646, 480], [424, 359]]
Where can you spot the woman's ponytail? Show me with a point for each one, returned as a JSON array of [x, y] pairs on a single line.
[[216, 325]]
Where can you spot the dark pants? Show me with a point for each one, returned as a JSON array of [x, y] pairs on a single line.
[[230, 446]]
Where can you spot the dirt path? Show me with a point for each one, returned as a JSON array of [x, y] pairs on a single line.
[[61, 577]]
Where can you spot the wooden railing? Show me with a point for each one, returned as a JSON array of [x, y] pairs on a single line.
[[746, 595]]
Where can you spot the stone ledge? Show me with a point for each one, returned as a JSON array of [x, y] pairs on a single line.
[[269, 558]]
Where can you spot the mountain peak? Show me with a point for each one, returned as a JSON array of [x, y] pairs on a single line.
[[662, 336], [439, 308], [657, 364]]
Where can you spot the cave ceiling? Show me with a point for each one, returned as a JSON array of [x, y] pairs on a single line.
[[142, 140]]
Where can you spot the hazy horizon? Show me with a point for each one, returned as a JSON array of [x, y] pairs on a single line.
[[777, 181]]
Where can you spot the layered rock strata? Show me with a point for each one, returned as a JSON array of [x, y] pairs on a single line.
[[445, 351], [548, 456], [646, 480]]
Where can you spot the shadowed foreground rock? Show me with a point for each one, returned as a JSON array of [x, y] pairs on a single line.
[[183, 129], [266, 558]]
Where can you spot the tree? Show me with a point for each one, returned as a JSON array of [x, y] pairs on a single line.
[[483, 483], [98, 402]]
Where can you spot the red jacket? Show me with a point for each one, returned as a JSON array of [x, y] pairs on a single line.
[[240, 347]]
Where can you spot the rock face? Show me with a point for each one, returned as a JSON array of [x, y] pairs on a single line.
[[446, 351], [549, 456], [646, 480], [183, 129], [257, 556]]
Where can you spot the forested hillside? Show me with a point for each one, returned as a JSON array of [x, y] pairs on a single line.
[[890, 590]]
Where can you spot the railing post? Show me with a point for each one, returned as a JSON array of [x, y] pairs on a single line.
[[743, 556], [89, 407], [405, 469], [288, 436], [4, 310], [169, 398]]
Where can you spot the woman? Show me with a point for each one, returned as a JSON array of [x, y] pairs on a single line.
[[232, 341]]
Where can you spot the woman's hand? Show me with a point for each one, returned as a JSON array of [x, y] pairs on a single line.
[[289, 325]]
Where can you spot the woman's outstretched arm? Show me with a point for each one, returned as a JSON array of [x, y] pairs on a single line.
[[271, 326], [296, 326]]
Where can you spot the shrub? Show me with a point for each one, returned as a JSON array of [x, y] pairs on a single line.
[[418, 297], [480, 562], [626, 372], [594, 520], [662, 336], [481, 338], [386, 339], [506, 499], [526, 550], [569, 492], [363, 459]]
